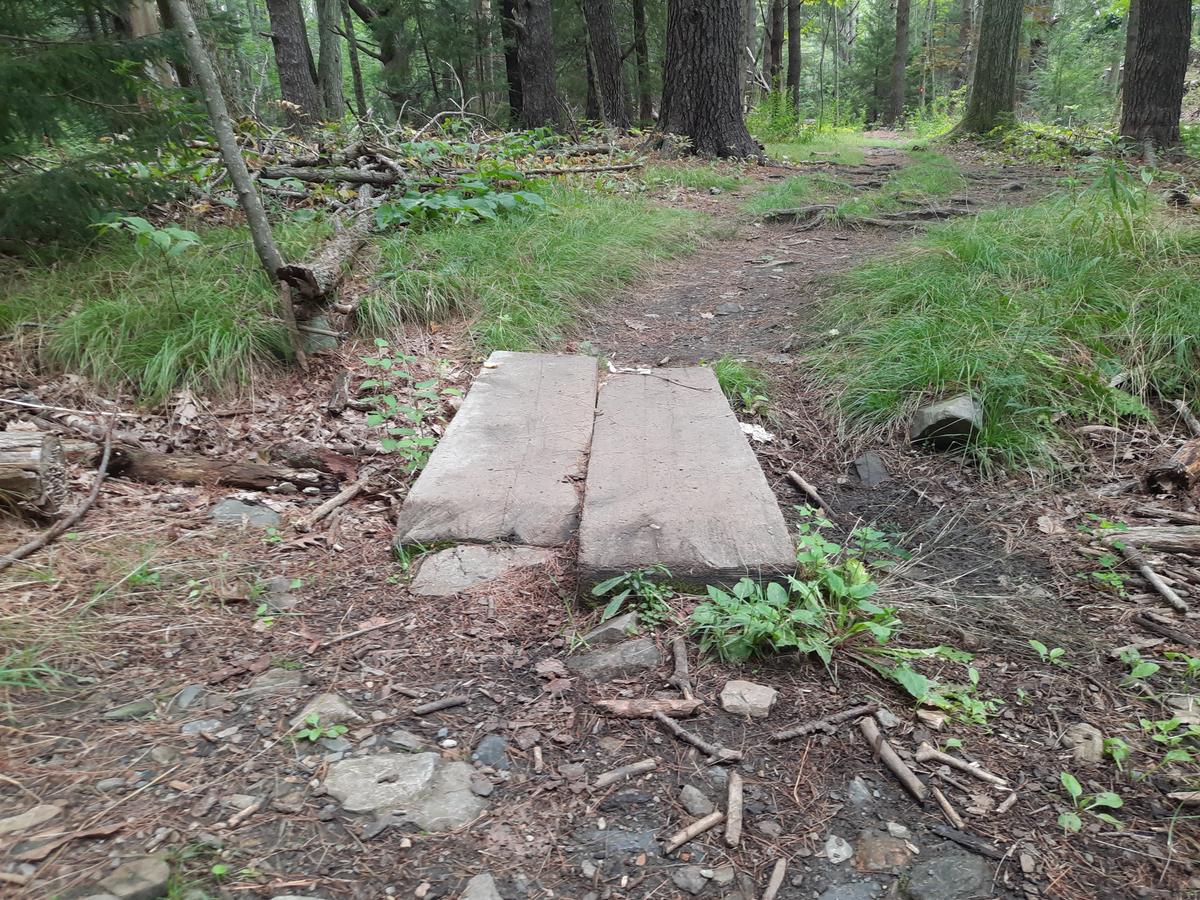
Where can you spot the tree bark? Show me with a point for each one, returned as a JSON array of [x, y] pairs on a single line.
[[1131, 30], [606, 61], [294, 64], [360, 94], [218, 114], [966, 44], [776, 67], [899, 79], [329, 62], [512, 65], [535, 57], [794, 31], [153, 467], [33, 477], [642, 55], [700, 81], [994, 80], [1154, 76]]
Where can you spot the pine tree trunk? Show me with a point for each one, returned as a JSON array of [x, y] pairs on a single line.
[[360, 94], [700, 82], [606, 61], [512, 65], [899, 79], [329, 64], [535, 55], [293, 61], [994, 81], [794, 31], [966, 44], [642, 54], [1131, 30], [776, 69], [1154, 79]]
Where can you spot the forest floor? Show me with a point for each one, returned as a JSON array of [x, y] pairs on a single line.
[[191, 646]]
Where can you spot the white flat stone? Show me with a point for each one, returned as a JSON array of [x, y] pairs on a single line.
[[459, 569]]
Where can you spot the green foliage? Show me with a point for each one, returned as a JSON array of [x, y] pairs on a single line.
[[1178, 741], [700, 177], [1039, 312], [742, 383], [1116, 748], [527, 278], [1190, 664], [1139, 669], [1055, 656], [1087, 803], [404, 406], [466, 202], [24, 668], [639, 590], [313, 730], [798, 190]]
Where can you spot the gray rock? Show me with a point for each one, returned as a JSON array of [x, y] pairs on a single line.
[[199, 725], [186, 698], [459, 569], [141, 879], [896, 830], [277, 593], [745, 698], [871, 470], [31, 818], [948, 423], [164, 756], [622, 801], [135, 710], [613, 631], [858, 792], [492, 750], [694, 801], [330, 709], [230, 511], [723, 875], [481, 887], [878, 851], [1085, 742], [406, 740], [315, 342], [432, 793], [949, 874], [617, 841], [769, 827], [855, 890], [272, 681], [837, 849], [727, 309], [110, 784], [689, 879], [624, 659], [886, 718]]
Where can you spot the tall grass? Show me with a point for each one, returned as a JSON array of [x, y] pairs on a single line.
[[1084, 307], [525, 279], [701, 177]]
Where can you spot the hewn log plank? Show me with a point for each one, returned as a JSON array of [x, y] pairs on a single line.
[[33, 476]]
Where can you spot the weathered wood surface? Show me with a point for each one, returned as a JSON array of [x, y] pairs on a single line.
[[33, 478], [1180, 472], [1171, 539]]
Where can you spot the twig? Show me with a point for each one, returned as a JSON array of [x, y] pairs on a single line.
[[733, 807], [828, 724], [883, 751], [353, 634], [681, 677], [776, 880], [242, 815], [438, 705], [716, 754], [1190, 420], [948, 811], [926, 753], [61, 527], [1150, 622], [341, 498], [811, 492], [982, 847], [693, 831], [1138, 562], [1007, 803], [646, 708], [628, 771]]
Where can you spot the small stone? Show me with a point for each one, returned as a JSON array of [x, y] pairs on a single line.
[[871, 470], [141, 879], [406, 740], [896, 830], [240, 801], [1085, 742], [272, 681], [723, 875], [745, 698], [330, 709], [950, 874], [481, 887], [858, 792], [481, 785], [727, 309], [694, 801], [622, 801], [199, 725], [277, 593], [879, 852], [492, 751], [462, 568], [886, 718], [447, 743], [613, 631], [690, 879], [628, 658], [588, 868], [110, 784], [31, 818], [230, 511], [948, 423], [837, 849], [854, 890], [1028, 864], [186, 698], [134, 710], [769, 828]]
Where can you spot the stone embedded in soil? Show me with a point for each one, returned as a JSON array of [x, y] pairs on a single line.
[[745, 698], [613, 631], [198, 725], [672, 481], [694, 801], [948, 423], [624, 659], [505, 468], [330, 709], [278, 595], [949, 874], [272, 681], [877, 851], [492, 750], [134, 710], [459, 569], [837, 849], [432, 793], [231, 511], [871, 469], [481, 887], [140, 879], [406, 740], [854, 890], [1085, 742], [31, 818], [689, 879], [858, 792]]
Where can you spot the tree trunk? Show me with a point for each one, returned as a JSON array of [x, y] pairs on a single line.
[[33, 477], [994, 81], [776, 69], [700, 81], [183, 75], [899, 78], [606, 61], [1131, 29], [794, 31], [360, 94], [1154, 75], [512, 65], [218, 114], [642, 54], [293, 61], [535, 57], [329, 63], [966, 44], [746, 60]]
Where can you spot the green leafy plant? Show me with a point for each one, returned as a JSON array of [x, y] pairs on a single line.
[[1191, 664], [1178, 741], [314, 730], [1116, 748], [404, 407], [170, 241], [1054, 656], [742, 383], [1139, 669], [1095, 804], [470, 200], [638, 589]]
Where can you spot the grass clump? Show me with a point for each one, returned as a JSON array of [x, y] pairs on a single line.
[[125, 316], [699, 177], [1086, 306], [525, 279], [929, 176], [742, 383], [799, 190]]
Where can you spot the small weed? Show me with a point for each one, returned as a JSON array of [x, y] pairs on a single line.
[[1118, 750], [24, 668], [1178, 743], [743, 384], [404, 407], [646, 595], [263, 617], [1139, 669], [1191, 664], [1087, 803], [314, 730], [272, 535], [1055, 656]]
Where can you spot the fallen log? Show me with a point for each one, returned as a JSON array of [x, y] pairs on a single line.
[[330, 173], [1178, 539], [1179, 473], [33, 475], [883, 751], [153, 467], [319, 277]]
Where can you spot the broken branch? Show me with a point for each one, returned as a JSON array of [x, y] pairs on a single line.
[[926, 753], [693, 831], [733, 806], [646, 709], [716, 754], [883, 751], [627, 771], [681, 677], [828, 724]]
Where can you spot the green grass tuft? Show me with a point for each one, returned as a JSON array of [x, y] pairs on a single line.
[[1086, 307], [929, 176], [525, 279], [799, 190], [699, 177]]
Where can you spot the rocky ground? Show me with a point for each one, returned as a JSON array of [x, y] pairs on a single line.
[[245, 711]]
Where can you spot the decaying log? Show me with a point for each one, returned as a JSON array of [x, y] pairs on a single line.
[[1152, 578], [154, 467], [318, 278], [1156, 625], [646, 709], [1178, 516], [1180, 472], [330, 173], [1180, 539], [33, 475]]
